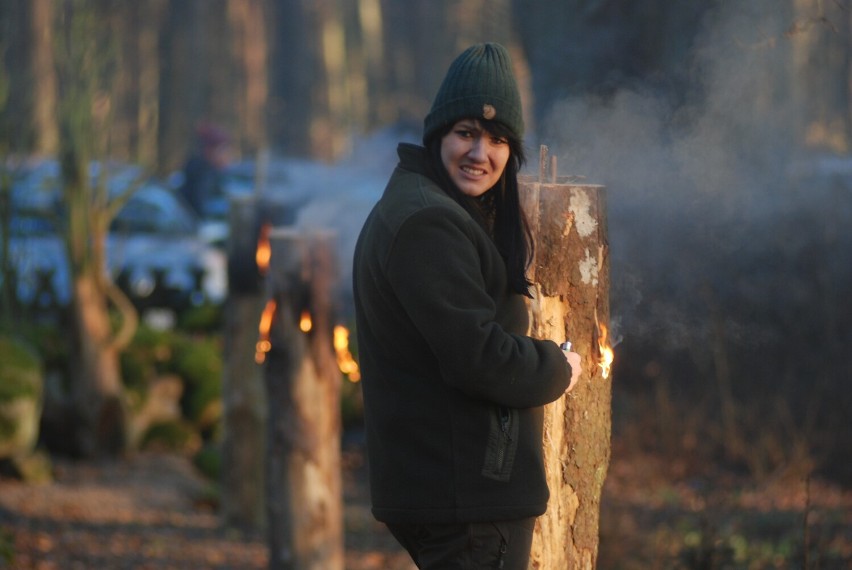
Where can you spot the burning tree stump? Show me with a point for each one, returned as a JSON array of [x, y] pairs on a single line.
[[571, 302], [243, 391], [304, 496]]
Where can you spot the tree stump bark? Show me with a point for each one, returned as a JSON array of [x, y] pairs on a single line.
[[304, 497], [243, 390], [571, 302]]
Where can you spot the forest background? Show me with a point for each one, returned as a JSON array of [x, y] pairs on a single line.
[[721, 130]]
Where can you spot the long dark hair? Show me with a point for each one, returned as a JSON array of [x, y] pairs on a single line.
[[499, 209]]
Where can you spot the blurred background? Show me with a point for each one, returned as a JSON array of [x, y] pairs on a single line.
[[721, 131]]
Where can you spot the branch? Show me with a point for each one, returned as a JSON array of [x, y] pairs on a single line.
[[122, 198], [129, 316]]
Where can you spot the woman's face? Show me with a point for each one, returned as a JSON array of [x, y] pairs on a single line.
[[474, 158]]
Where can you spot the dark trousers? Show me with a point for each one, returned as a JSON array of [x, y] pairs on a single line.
[[467, 546]]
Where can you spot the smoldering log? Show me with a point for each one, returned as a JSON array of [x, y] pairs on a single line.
[[304, 493], [243, 390], [571, 302]]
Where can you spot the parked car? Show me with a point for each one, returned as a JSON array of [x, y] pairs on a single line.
[[154, 251]]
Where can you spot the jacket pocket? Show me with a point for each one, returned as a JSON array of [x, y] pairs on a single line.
[[502, 444]]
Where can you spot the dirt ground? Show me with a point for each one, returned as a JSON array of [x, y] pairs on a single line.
[[656, 513], [148, 512]]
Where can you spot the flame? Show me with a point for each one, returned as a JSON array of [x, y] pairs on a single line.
[[305, 323], [264, 250], [263, 345], [345, 361], [607, 355]]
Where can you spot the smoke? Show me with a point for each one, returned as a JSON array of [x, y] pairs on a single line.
[[697, 188], [730, 248], [341, 195]]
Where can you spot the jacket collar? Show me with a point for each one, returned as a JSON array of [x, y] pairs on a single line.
[[415, 158]]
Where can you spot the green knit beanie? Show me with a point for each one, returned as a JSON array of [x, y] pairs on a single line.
[[479, 84]]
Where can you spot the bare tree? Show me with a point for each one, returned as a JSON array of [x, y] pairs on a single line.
[[84, 62]]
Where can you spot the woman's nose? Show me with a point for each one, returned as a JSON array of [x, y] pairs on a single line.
[[478, 151]]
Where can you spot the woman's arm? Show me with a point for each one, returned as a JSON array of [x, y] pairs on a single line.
[[436, 269]]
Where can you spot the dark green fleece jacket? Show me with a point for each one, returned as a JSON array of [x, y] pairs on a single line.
[[452, 387]]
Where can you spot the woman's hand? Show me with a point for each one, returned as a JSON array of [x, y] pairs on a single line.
[[575, 360]]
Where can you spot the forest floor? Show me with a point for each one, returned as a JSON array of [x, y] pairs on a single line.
[[149, 511]]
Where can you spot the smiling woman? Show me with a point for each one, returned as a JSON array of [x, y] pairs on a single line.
[[453, 387], [474, 158]]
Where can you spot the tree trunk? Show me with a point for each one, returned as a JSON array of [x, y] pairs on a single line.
[[369, 92], [181, 76], [310, 98], [571, 302], [137, 83], [820, 36], [291, 85], [97, 387], [27, 78], [216, 60], [251, 80], [84, 59], [147, 112], [304, 497], [44, 78]]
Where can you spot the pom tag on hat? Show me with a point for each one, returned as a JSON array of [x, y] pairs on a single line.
[[488, 112]]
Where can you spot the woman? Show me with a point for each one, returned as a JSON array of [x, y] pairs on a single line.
[[453, 387]]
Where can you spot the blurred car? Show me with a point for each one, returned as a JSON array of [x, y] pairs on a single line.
[[154, 251]]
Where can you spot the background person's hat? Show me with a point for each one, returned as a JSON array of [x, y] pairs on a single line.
[[478, 84]]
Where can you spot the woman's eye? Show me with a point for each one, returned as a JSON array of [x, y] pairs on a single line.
[[464, 133], [499, 140]]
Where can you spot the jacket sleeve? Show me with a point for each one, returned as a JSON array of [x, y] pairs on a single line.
[[434, 267]]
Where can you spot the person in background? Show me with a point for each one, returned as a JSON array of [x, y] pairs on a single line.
[[453, 386], [202, 171]]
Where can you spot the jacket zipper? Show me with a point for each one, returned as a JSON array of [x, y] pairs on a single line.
[[503, 549], [505, 423]]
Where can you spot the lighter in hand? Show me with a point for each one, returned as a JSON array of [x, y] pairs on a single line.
[[566, 346]]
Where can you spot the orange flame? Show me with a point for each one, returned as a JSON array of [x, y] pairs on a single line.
[[345, 361], [305, 322], [263, 345], [607, 355], [263, 254]]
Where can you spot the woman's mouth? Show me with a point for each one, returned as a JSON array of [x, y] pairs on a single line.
[[473, 171]]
